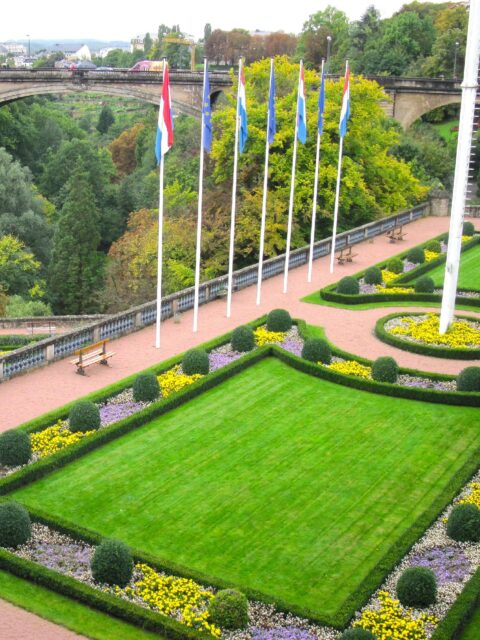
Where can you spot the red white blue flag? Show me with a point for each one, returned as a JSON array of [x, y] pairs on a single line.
[[345, 112], [242, 111], [301, 107], [165, 118]]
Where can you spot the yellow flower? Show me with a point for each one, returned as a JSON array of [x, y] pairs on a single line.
[[426, 329], [473, 497], [351, 368], [263, 336], [57, 437], [172, 381], [389, 276]]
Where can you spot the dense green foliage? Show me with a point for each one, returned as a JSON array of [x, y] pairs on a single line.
[[84, 416], [373, 275], [317, 350], [15, 528], [463, 523], [146, 388], [469, 379], [348, 286], [468, 228], [424, 284], [243, 339], [395, 265], [385, 369], [417, 587], [416, 255], [357, 634], [195, 361], [279, 320], [434, 245], [229, 609], [112, 563], [15, 448]]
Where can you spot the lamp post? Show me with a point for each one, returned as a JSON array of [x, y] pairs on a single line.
[[28, 36], [327, 64], [457, 44]]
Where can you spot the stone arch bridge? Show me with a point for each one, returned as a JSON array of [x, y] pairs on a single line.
[[410, 98]]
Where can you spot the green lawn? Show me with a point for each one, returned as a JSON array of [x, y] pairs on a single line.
[[469, 276], [273, 480], [445, 130]]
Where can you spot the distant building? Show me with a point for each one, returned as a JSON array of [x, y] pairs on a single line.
[[15, 49], [103, 53], [136, 44]]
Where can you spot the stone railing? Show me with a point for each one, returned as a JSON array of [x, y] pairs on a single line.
[[56, 348], [49, 324]]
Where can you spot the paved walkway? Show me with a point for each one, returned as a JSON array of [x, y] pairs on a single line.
[[32, 394], [18, 624]]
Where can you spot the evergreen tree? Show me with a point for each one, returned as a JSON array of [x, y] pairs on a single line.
[[76, 270], [105, 120]]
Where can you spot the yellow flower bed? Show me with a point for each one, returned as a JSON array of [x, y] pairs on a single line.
[[263, 336], [389, 276], [352, 368], [57, 437], [466, 238], [381, 289], [430, 255], [474, 496], [393, 622], [460, 335], [179, 598], [172, 381]]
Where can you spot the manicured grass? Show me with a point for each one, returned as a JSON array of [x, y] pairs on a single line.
[[314, 298], [472, 631], [469, 276], [68, 613], [445, 130], [273, 480]]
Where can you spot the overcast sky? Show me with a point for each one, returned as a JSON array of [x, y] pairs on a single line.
[[115, 20]]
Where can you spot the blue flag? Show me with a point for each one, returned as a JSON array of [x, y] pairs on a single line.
[[242, 111], [207, 114], [321, 102], [301, 107], [272, 122]]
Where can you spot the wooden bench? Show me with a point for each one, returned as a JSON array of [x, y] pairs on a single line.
[[91, 355], [346, 255], [397, 233]]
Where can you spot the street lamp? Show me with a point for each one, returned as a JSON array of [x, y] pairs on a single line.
[[457, 44], [327, 64], [28, 36]]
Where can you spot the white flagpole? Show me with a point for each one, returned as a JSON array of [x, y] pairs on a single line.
[[199, 218], [290, 205], [160, 259], [234, 201], [314, 207], [264, 201], [337, 198]]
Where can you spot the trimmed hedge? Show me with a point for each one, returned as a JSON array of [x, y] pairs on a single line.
[[15, 448], [15, 527], [463, 523], [195, 361], [424, 284], [229, 609], [357, 634], [348, 286], [243, 339], [416, 255], [426, 350], [417, 587], [373, 275], [468, 228], [84, 416], [112, 563], [385, 369], [146, 388], [279, 320], [317, 350], [461, 611], [469, 379]]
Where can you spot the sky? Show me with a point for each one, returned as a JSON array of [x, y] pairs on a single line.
[[114, 20]]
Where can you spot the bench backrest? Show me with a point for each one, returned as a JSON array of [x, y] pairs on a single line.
[[92, 347]]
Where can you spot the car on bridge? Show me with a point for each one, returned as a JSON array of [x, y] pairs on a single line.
[[147, 65]]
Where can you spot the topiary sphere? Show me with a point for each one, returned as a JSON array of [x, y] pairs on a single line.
[[464, 523], [15, 448], [373, 275], [348, 286], [424, 284], [385, 369], [84, 416], [146, 388], [416, 255], [195, 361], [469, 379], [468, 228], [243, 339], [229, 609], [357, 634], [417, 587], [112, 563], [317, 350], [279, 320], [434, 245], [15, 527], [395, 265]]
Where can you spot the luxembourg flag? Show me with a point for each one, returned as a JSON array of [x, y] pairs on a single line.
[[345, 112], [301, 107], [165, 119], [242, 111]]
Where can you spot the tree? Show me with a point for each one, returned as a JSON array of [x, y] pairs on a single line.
[[216, 47], [105, 120], [76, 270], [364, 32], [207, 32], [147, 43], [451, 27], [123, 150], [312, 45], [18, 268]]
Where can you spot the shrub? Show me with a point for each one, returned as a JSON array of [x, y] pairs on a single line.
[[146, 388], [229, 609], [112, 563], [15, 448], [84, 416], [373, 275], [243, 339], [357, 634], [195, 361], [464, 523], [416, 255], [385, 369], [434, 245], [468, 228], [279, 320], [317, 350], [417, 587], [349, 286], [15, 527], [424, 284], [469, 379], [395, 265]]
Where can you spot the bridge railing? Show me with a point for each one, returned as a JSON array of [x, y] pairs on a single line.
[[114, 326]]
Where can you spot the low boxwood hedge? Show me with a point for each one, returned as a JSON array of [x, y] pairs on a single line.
[[461, 611]]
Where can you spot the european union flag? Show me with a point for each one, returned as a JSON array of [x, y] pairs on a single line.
[[272, 123], [207, 114]]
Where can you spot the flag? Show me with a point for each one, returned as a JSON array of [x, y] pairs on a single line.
[[321, 102], [301, 108], [165, 119], [242, 111], [272, 122], [207, 113], [345, 112]]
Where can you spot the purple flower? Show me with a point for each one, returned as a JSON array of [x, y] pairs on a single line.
[[449, 564], [219, 360], [113, 412], [408, 266], [294, 346], [282, 633]]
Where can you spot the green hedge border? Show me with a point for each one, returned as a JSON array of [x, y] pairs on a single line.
[[426, 350], [330, 293], [461, 611]]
